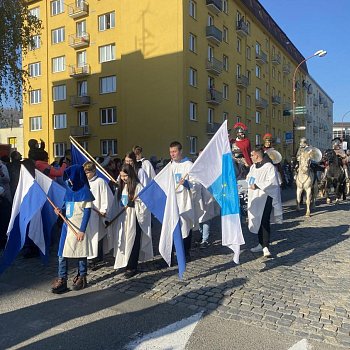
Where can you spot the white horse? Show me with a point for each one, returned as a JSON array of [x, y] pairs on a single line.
[[305, 182]]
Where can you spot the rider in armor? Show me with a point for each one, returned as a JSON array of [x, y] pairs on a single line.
[[267, 138], [337, 147]]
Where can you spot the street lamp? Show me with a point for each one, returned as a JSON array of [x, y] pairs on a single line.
[[342, 126], [319, 53]]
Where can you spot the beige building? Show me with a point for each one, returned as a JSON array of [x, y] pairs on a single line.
[[118, 73]]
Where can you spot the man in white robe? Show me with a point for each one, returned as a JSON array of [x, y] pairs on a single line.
[[146, 164], [264, 199]]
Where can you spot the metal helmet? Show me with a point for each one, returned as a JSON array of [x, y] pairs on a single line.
[[336, 143], [303, 142]]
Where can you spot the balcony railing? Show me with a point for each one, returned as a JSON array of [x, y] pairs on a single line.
[[214, 6], [78, 41], [242, 81], [75, 11], [261, 103], [315, 103], [276, 100], [80, 101], [276, 59], [214, 34], [77, 71], [212, 128], [242, 28], [214, 97], [214, 66], [286, 69], [261, 56], [80, 131]]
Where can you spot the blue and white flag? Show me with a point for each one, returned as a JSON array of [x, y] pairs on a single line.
[[40, 228], [159, 197], [79, 157], [214, 170], [27, 202]]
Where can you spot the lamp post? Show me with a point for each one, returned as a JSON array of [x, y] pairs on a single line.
[[319, 53], [343, 131]]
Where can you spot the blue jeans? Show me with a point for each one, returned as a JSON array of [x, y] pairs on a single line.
[[204, 228], [63, 266]]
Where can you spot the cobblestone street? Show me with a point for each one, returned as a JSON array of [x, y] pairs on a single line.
[[303, 290]]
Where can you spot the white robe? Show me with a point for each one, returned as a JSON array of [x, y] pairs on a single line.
[[126, 234], [102, 203], [266, 178], [148, 168], [184, 196], [143, 177]]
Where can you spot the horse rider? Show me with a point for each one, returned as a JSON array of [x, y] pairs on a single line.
[[337, 147]]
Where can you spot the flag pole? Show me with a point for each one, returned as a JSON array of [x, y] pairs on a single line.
[[62, 216], [92, 159]]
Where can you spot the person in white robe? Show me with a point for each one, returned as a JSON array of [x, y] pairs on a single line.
[[134, 241], [145, 163], [101, 206], [130, 158], [264, 199]]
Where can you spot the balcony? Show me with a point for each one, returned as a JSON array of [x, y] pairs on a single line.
[[242, 81], [75, 11], [80, 101], [276, 100], [308, 118], [242, 28], [315, 103], [214, 6], [325, 104], [214, 35], [80, 131], [78, 72], [261, 103], [214, 66], [276, 59], [315, 129], [261, 57], [79, 41], [286, 69], [212, 128], [287, 105], [214, 97]]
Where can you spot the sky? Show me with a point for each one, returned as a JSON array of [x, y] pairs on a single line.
[[314, 25]]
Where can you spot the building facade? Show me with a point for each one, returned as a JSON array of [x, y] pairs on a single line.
[[114, 74]]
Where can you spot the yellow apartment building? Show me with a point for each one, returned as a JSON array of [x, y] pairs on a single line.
[[114, 74]]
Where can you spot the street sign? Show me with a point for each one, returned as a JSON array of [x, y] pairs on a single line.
[[288, 137]]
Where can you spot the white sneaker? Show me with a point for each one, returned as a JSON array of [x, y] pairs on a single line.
[[267, 253], [257, 249]]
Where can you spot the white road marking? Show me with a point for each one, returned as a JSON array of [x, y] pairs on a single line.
[[172, 337], [301, 345]]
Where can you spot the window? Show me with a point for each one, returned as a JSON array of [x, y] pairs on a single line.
[[248, 53], [248, 101], [36, 43], [193, 111], [257, 118], [84, 144], [81, 29], [59, 121], [210, 115], [108, 115], [83, 119], [257, 48], [35, 12], [108, 84], [109, 146], [82, 88], [35, 96], [258, 71], [239, 45], [106, 21], [58, 64], [193, 144], [210, 20], [107, 53], [81, 58], [257, 93], [57, 35], [224, 116], [225, 34], [225, 6], [56, 7], [248, 76], [225, 91], [267, 89], [193, 9], [193, 43], [34, 69], [59, 93], [248, 26], [257, 139], [225, 62], [193, 77], [210, 53], [12, 141], [35, 123], [238, 98], [274, 72], [59, 149], [238, 70]]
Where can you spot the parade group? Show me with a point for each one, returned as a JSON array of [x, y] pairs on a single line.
[[101, 217]]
